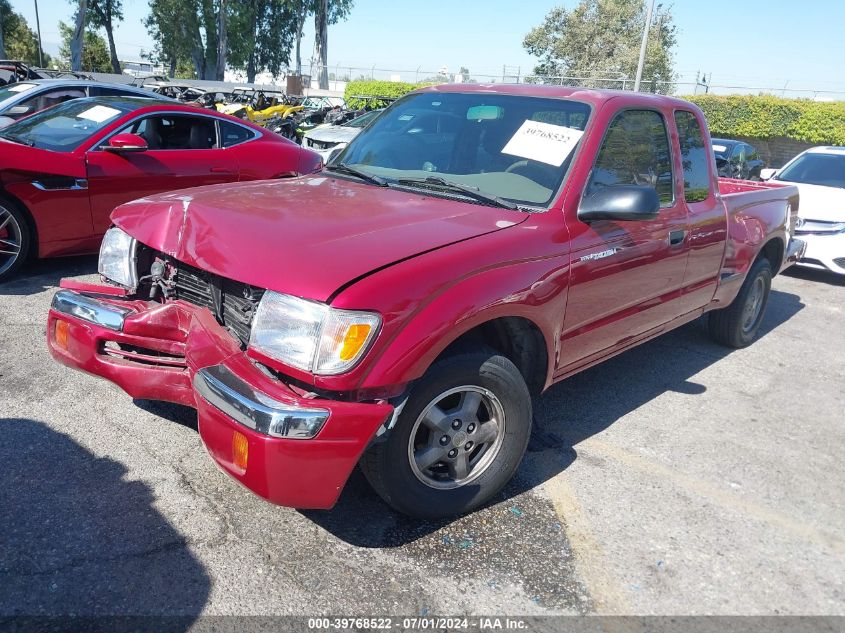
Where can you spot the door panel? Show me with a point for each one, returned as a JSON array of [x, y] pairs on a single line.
[[708, 224], [180, 157], [627, 276]]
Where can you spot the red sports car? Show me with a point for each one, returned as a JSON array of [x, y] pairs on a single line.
[[63, 170]]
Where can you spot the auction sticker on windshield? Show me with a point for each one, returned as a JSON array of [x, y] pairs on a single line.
[[98, 114], [543, 142], [21, 87]]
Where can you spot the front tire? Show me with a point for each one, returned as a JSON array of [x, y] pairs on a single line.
[[458, 440], [737, 325], [15, 239]]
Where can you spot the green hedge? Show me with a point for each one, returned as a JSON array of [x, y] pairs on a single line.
[[766, 116], [368, 88]]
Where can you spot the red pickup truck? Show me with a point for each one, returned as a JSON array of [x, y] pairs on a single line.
[[470, 248]]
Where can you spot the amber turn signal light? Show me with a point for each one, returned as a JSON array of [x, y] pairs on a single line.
[[355, 338], [61, 334], [240, 449]]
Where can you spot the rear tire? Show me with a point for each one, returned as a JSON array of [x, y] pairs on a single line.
[[737, 325], [15, 239], [459, 439]]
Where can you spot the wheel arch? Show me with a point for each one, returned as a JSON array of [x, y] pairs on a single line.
[[773, 251], [517, 338]]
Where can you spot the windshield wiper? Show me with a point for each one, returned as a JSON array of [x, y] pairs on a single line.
[[472, 192], [18, 140], [346, 169]]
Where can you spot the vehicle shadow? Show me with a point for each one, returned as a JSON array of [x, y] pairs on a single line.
[[46, 274], [79, 538], [567, 414], [816, 275]]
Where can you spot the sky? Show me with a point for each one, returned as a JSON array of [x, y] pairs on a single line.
[[754, 43]]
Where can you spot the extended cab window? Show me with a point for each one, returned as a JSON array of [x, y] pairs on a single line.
[[694, 157], [635, 152], [172, 132]]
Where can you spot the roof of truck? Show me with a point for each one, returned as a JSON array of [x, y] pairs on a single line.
[[589, 95]]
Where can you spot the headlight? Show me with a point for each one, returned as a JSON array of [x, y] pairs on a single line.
[[118, 258], [310, 335]]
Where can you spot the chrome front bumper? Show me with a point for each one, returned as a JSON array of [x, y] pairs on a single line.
[[90, 310], [795, 250], [216, 384], [254, 409]]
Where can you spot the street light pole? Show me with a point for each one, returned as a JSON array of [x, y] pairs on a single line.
[[643, 46], [38, 28]]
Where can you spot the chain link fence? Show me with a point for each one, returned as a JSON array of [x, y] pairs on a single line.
[[340, 75]]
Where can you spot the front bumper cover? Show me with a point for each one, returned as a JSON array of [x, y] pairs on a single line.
[[301, 449]]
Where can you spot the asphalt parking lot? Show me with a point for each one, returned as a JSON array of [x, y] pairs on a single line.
[[678, 478]]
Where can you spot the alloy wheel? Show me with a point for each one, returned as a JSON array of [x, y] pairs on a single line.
[[456, 437], [11, 238]]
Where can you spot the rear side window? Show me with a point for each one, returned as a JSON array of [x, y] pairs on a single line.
[[635, 152], [233, 134], [694, 157]]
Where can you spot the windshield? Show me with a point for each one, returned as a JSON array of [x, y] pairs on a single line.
[[13, 90], [511, 147], [827, 170], [64, 127]]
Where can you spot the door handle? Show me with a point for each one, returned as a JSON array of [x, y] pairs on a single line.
[[677, 237], [221, 170]]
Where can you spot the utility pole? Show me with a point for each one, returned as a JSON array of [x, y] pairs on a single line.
[[643, 46], [38, 30]]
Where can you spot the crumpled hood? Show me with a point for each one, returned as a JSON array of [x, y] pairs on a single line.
[[306, 236], [820, 203]]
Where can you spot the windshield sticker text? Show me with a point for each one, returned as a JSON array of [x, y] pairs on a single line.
[[543, 142]]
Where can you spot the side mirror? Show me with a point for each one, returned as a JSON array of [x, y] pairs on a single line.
[[18, 111], [126, 143], [768, 173], [620, 203]]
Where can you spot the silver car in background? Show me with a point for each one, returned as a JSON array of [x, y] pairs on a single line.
[[22, 98], [325, 139]]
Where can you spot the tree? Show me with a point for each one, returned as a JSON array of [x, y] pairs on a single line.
[[334, 10], [18, 40], [2, 45], [174, 27], [76, 43], [321, 43], [94, 53], [326, 12], [600, 39], [188, 30], [261, 34], [102, 14]]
